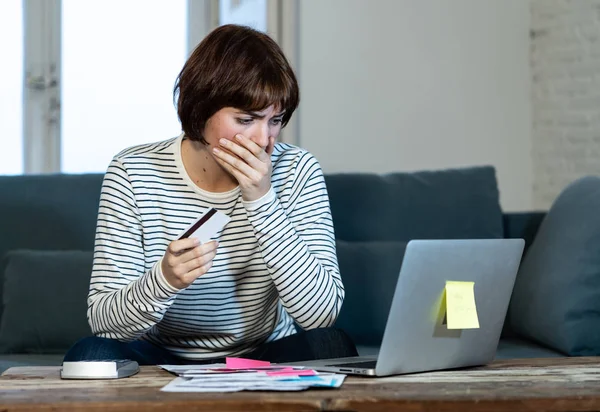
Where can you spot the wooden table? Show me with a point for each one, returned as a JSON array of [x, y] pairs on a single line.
[[557, 384]]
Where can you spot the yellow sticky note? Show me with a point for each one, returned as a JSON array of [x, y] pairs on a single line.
[[461, 311]]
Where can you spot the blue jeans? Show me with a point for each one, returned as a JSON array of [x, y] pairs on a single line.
[[305, 345]]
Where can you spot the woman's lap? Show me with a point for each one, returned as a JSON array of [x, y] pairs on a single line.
[[312, 344], [97, 348], [305, 345]]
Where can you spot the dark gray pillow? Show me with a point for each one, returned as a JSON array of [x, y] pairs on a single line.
[[44, 300], [556, 298], [369, 272]]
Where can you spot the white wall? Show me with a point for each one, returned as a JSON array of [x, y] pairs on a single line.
[[565, 63], [400, 85]]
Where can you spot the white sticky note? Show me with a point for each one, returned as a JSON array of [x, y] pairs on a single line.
[[206, 226]]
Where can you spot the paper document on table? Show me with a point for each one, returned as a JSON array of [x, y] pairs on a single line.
[[240, 374], [179, 369], [461, 310], [254, 383]]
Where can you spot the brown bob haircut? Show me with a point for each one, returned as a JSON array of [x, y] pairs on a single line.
[[234, 66]]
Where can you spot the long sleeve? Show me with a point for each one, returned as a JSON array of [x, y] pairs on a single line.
[[125, 300], [295, 233]]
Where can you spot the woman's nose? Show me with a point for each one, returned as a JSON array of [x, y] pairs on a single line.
[[261, 136]]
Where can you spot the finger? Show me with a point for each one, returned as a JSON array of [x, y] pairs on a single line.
[[175, 259], [235, 164], [192, 259], [247, 154], [254, 148], [196, 273], [198, 251], [185, 268], [229, 167], [178, 246]]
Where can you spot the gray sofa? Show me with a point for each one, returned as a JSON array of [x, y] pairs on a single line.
[[47, 225]]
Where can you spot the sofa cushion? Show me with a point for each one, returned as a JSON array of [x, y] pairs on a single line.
[[556, 298], [515, 348], [453, 203], [44, 299], [369, 272]]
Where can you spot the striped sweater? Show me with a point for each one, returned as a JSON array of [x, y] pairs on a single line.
[[275, 266]]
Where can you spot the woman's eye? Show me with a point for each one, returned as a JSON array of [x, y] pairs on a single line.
[[244, 121], [277, 121]]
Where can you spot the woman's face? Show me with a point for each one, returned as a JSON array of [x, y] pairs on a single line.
[[261, 127]]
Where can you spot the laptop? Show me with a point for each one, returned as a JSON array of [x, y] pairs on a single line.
[[417, 337]]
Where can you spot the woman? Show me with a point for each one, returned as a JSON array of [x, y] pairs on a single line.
[[270, 287]]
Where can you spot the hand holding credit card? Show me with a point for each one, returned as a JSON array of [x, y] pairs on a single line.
[[186, 259], [207, 226]]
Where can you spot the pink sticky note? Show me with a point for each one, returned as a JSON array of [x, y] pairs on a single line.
[[298, 372], [241, 363]]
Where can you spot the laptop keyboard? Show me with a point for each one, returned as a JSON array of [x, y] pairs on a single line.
[[364, 365]]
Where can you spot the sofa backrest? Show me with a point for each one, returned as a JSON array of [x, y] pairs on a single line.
[[48, 212], [64, 206], [452, 203]]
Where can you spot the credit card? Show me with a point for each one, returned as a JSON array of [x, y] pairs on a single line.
[[206, 226]]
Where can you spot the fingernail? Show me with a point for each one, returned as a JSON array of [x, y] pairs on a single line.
[[223, 142], [216, 150], [238, 137]]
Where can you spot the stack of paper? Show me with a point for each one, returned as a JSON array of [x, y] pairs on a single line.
[[240, 374]]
